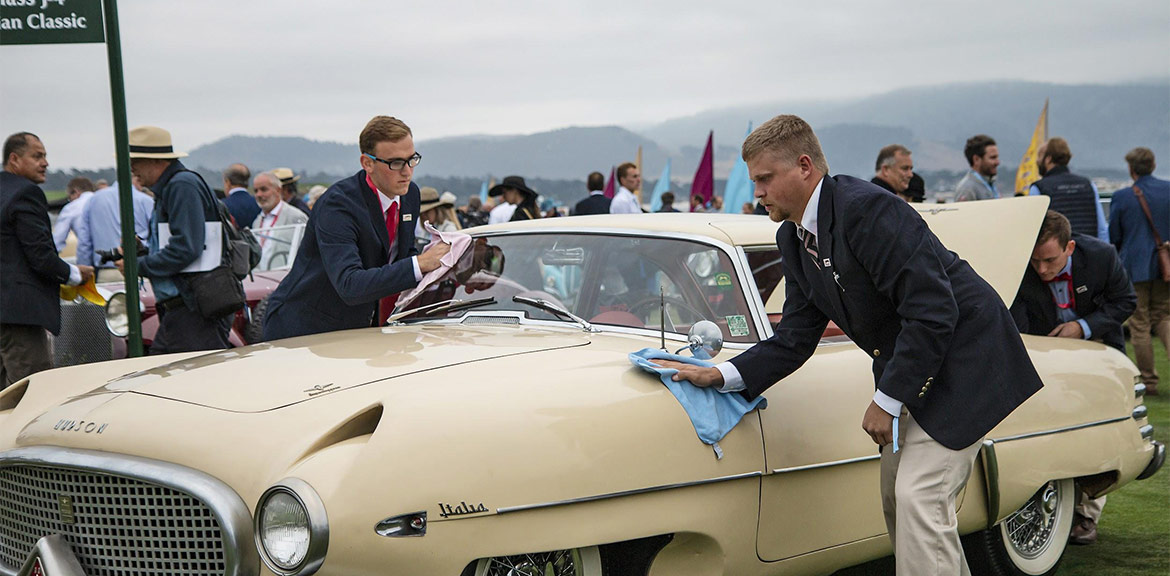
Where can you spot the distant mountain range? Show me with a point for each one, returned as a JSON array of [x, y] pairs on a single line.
[[1101, 123]]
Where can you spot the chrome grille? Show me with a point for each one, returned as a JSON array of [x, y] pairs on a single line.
[[119, 526]]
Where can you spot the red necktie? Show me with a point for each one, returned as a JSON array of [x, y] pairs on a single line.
[[1067, 278], [386, 305]]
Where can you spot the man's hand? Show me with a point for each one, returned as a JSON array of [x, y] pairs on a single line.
[[429, 259], [1068, 330], [86, 273], [878, 424], [700, 376]]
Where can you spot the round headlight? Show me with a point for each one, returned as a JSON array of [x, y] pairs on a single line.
[[291, 528], [117, 320], [284, 530]]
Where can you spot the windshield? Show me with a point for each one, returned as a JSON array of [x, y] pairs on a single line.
[[605, 279], [278, 246]]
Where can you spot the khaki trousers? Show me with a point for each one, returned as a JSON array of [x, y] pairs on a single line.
[[1090, 508], [1152, 312], [919, 486]]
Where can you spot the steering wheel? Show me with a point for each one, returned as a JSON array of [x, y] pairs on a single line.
[[667, 301]]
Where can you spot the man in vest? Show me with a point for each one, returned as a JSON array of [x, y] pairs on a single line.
[[1074, 196]]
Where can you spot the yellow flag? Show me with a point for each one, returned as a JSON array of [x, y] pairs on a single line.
[[638, 163], [1028, 173]]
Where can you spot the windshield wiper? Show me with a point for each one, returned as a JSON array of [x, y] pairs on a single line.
[[452, 305], [550, 307]]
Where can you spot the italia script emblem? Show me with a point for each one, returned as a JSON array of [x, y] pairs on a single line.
[[446, 510]]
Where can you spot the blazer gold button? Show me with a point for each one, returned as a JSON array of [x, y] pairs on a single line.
[[921, 394], [877, 352]]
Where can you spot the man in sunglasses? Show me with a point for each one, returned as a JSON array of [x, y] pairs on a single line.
[[358, 250]]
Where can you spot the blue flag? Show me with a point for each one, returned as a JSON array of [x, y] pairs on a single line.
[[739, 188], [663, 185], [483, 190]]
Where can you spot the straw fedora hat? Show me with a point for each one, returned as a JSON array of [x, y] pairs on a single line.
[[286, 175], [434, 200], [152, 142]]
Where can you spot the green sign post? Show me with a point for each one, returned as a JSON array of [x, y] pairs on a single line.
[[76, 22]]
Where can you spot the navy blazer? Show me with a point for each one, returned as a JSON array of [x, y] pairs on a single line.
[[1101, 289], [30, 270], [342, 267], [243, 207], [941, 340], [1130, 232], [594, 204]]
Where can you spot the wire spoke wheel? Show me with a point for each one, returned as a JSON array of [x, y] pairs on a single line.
[[575, 562]]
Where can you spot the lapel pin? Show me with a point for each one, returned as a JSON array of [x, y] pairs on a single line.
[[827, 263], [407, 217], [1082, 289]]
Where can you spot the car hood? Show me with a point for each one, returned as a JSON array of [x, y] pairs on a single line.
[[272, 375]]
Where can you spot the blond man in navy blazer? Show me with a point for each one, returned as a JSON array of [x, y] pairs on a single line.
[[860, 256]]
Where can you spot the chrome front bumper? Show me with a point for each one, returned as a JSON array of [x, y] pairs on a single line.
[[51, 557], [1155, 463]]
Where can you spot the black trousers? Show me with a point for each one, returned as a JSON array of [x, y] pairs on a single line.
[[181, 329]]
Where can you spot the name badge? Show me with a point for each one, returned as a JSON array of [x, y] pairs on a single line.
[[407, 217], [1082, 289]]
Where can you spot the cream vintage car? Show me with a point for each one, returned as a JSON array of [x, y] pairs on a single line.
[[497, 427]]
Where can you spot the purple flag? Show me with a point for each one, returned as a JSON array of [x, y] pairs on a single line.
[[704, 183]]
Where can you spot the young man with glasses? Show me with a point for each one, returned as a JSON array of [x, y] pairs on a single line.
[[358, 250]]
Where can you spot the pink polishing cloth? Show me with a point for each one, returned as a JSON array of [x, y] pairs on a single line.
[[459, 243]]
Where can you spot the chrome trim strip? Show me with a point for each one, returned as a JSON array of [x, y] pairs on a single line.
[[1147, 431], [827, 464], [1140, 412], [1059, 430], [634, 492], [1139, 390], [991, 479], [318, 526], [240, 553]]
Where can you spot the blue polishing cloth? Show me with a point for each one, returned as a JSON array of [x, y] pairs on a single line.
[[712, 413]]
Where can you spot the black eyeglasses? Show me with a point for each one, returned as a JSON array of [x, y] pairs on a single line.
[[397, 164]]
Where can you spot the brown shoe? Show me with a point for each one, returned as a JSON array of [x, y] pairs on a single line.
[[1084, 531]]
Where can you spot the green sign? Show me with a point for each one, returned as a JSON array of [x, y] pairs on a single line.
[[51, 22]]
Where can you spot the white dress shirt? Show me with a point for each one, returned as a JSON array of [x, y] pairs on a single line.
[[624, 202]]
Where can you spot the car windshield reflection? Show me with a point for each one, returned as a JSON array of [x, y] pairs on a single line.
[[608, 280]]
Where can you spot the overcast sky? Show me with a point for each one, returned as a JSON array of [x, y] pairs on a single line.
[[211, 68]]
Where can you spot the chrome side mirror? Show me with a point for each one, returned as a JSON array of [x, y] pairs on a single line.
[[704, 339], [117, 318]]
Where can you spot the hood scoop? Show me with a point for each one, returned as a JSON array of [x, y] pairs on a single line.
[[272, 375]]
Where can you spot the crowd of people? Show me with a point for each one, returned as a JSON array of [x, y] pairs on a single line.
[[363, 246]]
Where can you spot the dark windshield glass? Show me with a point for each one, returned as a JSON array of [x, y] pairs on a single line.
[[608, 280]]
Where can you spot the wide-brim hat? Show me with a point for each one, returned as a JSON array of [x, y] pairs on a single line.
[[286, 175], [444, 199], [512, 182], [152, 142]]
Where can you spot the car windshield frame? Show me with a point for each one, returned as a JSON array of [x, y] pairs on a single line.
[[729, 260]]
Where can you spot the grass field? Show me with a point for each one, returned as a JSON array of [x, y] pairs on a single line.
[[1133, 538]]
